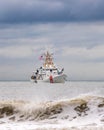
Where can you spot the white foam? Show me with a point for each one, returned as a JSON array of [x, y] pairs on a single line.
[[31, 101]]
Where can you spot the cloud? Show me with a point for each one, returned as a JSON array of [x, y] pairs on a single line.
[[83, 41], [24, 11], [16, 51], [23, 51], [78, 47], [94, 54]]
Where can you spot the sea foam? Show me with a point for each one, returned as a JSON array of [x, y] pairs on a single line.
[[69, 106], [88, 109]]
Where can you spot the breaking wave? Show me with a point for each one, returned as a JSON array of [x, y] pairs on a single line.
[[69, 110]]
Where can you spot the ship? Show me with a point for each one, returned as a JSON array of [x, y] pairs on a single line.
[[48, 72]]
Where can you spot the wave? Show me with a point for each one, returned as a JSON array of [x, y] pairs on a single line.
[[90, 108]]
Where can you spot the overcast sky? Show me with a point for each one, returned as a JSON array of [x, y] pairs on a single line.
[[71, 29]]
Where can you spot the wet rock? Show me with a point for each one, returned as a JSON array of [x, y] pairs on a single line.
[[81, 109]]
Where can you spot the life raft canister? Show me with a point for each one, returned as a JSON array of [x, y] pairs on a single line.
[[51, 79]]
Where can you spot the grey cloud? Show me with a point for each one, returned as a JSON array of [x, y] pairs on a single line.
[[23, 11]]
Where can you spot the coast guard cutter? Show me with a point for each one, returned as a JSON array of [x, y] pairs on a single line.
[[48, 72]]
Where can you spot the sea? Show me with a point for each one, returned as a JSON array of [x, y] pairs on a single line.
[[73, 105]]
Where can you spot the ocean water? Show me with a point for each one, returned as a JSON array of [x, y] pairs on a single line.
[[43, 106]]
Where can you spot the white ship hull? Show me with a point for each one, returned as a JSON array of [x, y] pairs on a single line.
[[56, 79]]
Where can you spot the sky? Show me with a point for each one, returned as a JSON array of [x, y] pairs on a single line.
[[73, 30]]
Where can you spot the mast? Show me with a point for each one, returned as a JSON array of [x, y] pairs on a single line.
[[48, 61]]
